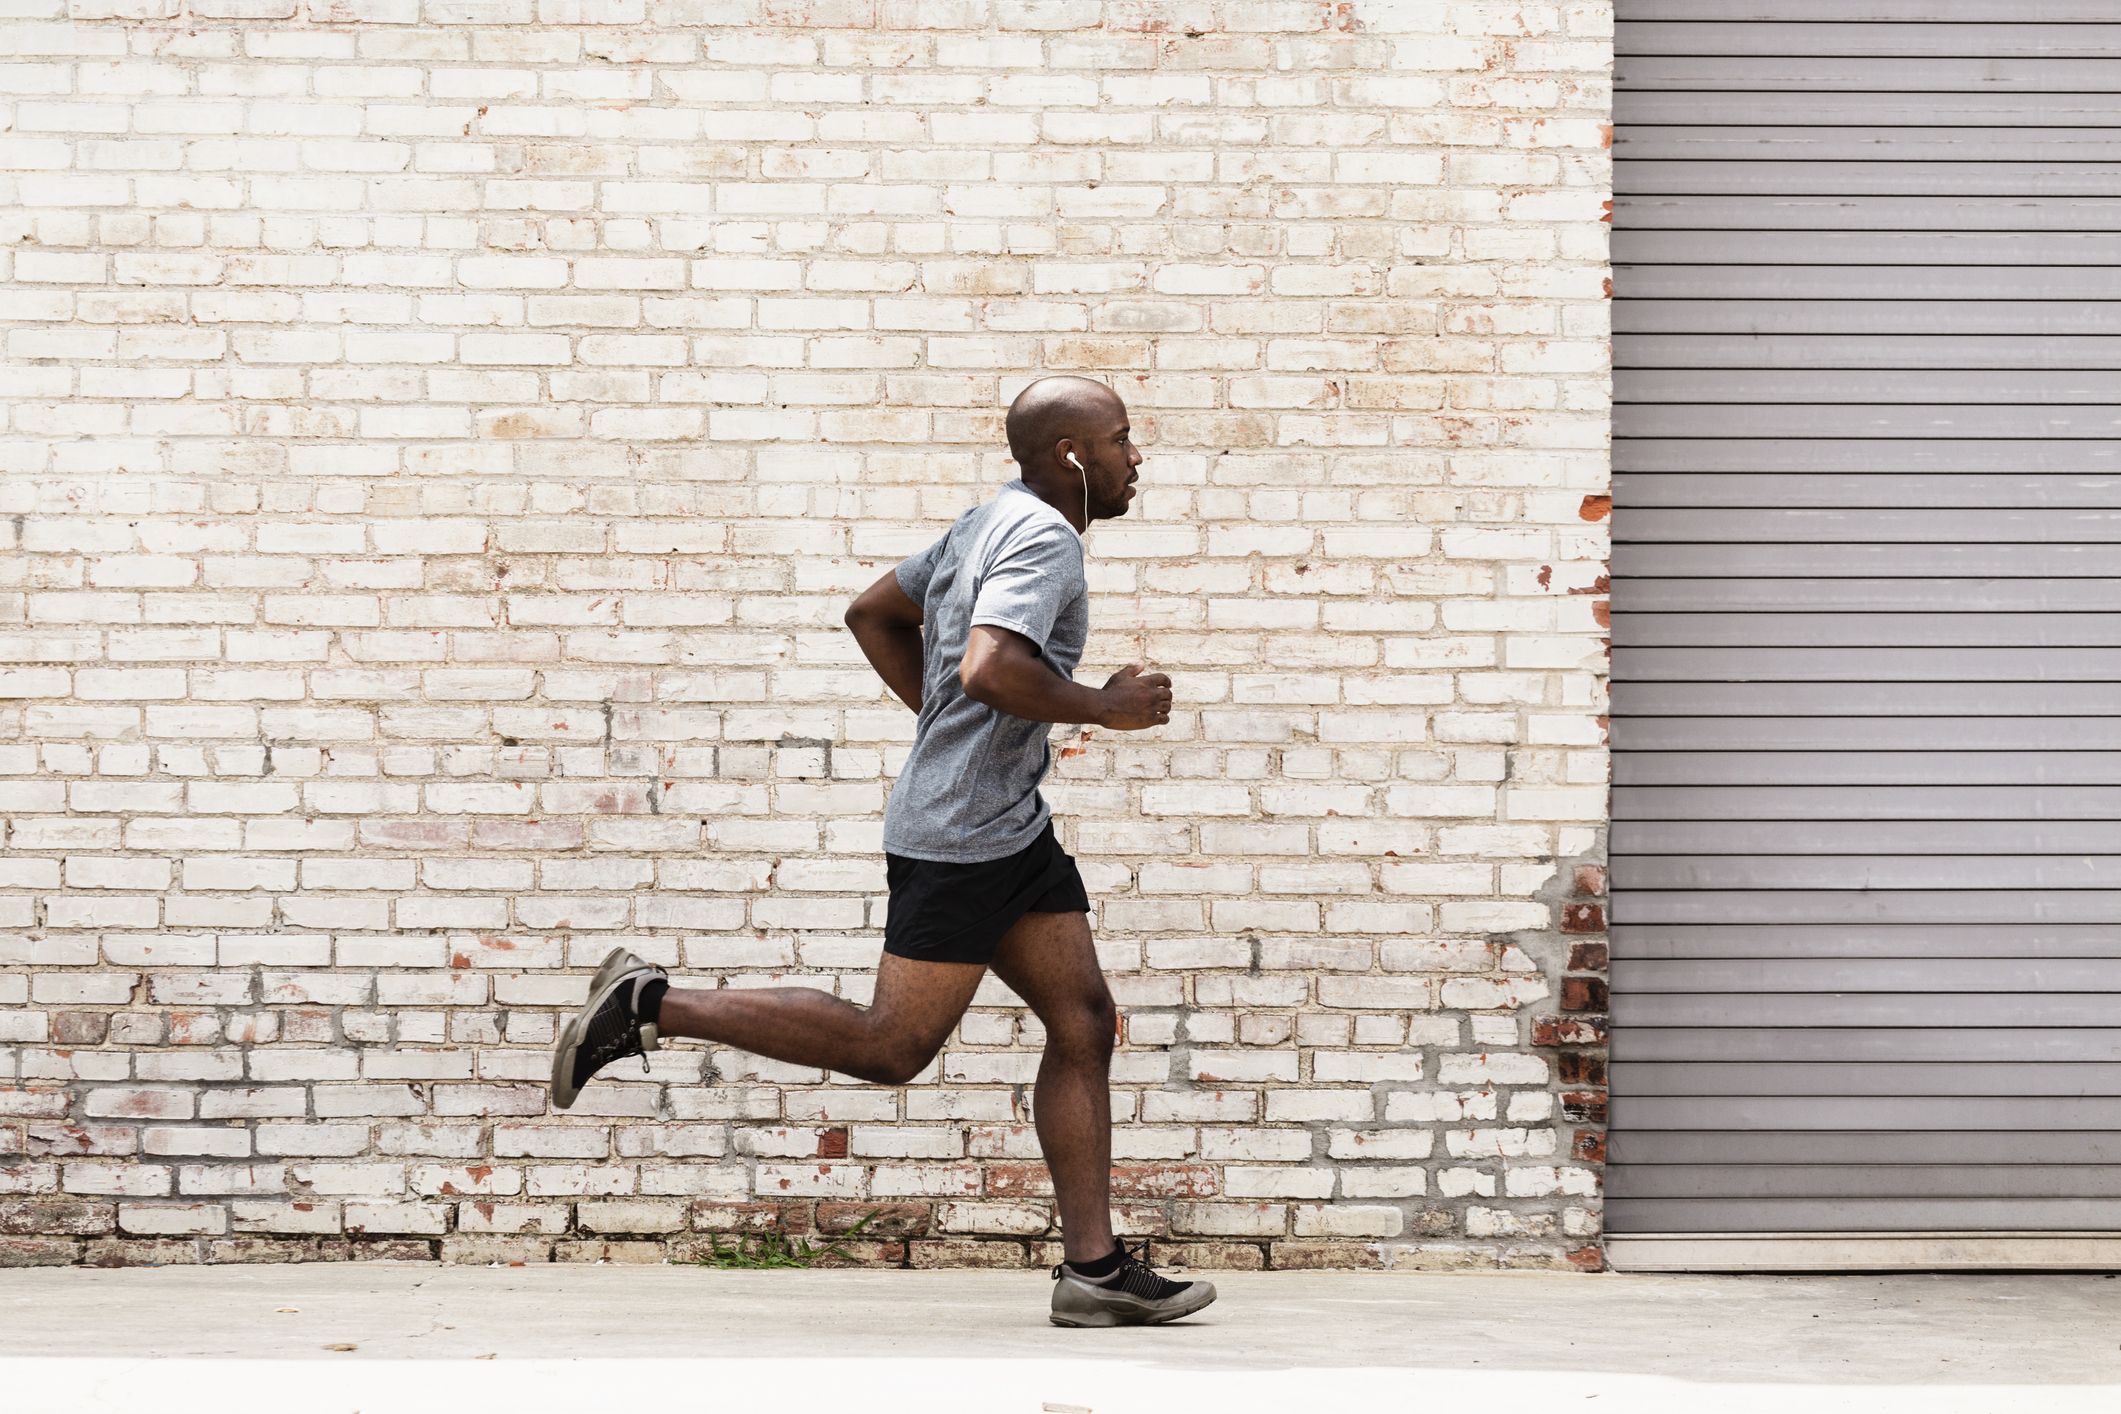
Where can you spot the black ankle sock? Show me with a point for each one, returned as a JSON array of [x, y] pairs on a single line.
[[648, 999], [1103, 1267]]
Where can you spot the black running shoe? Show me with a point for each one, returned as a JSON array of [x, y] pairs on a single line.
[[1132, 1296], [606, 1028]]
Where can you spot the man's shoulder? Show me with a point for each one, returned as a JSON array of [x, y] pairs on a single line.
[[1020, 515]]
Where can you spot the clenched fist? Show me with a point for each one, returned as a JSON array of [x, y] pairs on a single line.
[[1134, 700]]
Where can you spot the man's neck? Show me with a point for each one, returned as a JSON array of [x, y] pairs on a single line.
[[1069, 503]]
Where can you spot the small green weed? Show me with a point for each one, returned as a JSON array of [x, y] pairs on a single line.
[[774, 1249]]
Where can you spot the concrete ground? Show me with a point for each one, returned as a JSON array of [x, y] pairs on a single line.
[[406, 1339]]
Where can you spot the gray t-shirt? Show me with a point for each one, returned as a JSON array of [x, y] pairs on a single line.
[[969, 790]]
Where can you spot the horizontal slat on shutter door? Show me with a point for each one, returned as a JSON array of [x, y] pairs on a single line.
[[1862, 561], [2018, 387], [1812, 974], [1967, 74], [1956, 939], [1866, 843], [1951, 1180], [1641, 596], [1856, 1146], [1647, 490], [1889, 525], [1878, 454], [1859, 213], [1625, 1215], [1905, 40], [1845, 699], [1868, 734], [1755, 143], [1917, 769], [1898, 351], [1841, 1045], [2049, 12], [1781, 247], [1958, 629], [1635, 111], [1853, 316], [1873, 178], [1883, 1079]]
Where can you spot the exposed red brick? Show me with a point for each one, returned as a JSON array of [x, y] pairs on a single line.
[[1579, 1068], [1583, 1106], [143, 1252], [1589, 879], [54, 1217], [1595, 508], [1018, 1181], [832, 1143], [1583, 994], [1164, 1180], [1589, 1146], [1568, 1031], [1587, 957], [80, 1028], [38, 1252], [1582, 918]]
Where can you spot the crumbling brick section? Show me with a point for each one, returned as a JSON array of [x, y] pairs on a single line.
[[1578, 1036]]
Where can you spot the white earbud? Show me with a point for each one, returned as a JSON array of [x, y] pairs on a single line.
[[1086, 492]]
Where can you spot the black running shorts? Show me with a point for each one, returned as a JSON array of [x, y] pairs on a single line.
[[959, 912]]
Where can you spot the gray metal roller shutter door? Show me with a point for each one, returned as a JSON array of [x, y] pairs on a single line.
[[1866, 842]]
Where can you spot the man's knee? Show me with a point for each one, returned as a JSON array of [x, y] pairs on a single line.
[[896, 1054], [899, 1065], [1090, 1024]]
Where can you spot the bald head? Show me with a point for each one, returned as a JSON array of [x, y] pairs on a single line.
[[1053, 409], [1056, 419]]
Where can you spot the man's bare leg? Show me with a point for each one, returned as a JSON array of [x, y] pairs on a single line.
[[1049, 960], [889, 1041]]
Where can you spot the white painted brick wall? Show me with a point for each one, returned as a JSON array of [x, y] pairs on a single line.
[[440, 439]]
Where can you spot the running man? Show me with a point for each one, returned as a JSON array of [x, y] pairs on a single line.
[[979, 634]]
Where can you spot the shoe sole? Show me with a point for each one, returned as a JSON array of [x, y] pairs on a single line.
[[615, 965], [1105, 1320]]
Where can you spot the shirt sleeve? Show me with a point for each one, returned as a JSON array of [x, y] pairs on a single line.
[[915, 571], [1034, 577]]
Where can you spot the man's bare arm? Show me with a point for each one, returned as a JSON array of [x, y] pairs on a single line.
[[1003, 670], [887, 625]]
